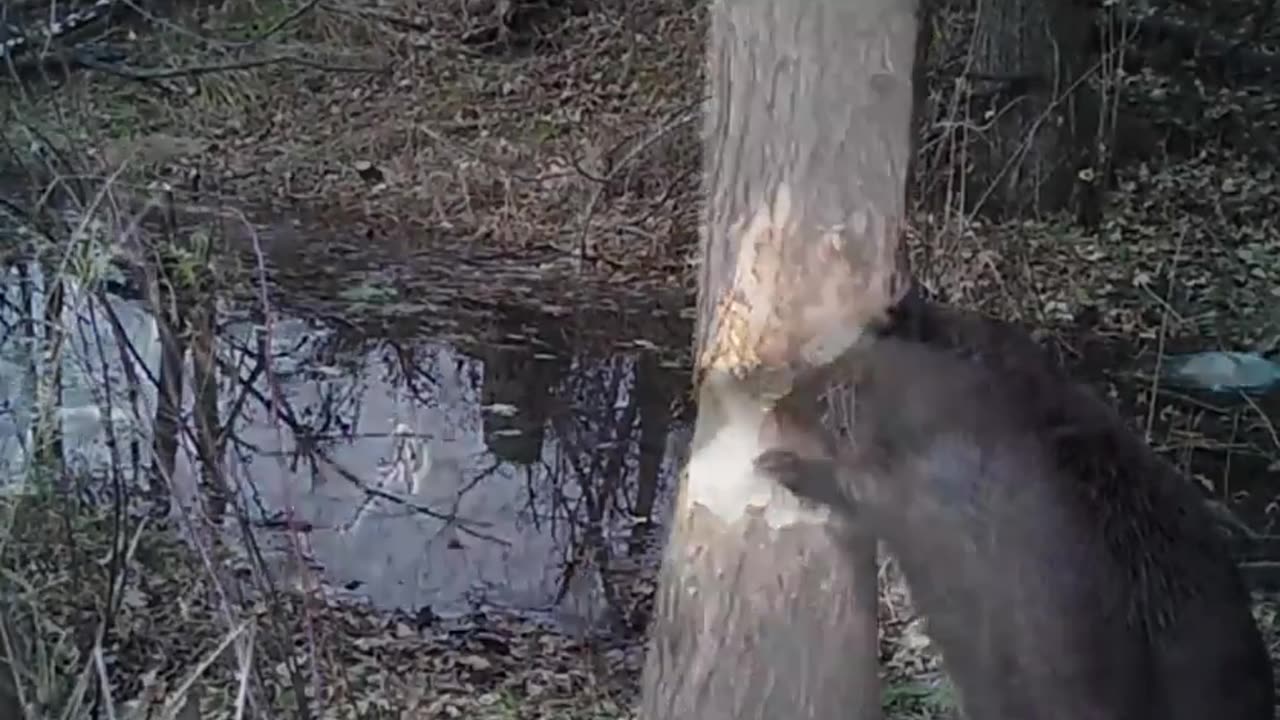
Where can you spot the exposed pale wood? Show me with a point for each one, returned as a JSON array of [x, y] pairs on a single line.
[[808, 135]]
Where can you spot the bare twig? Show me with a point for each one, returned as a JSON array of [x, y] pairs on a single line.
[[283, 22], [1164, 329], [127, 72], [466, 526], [682, 116]]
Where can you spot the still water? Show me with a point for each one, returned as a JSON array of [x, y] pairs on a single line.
[[524, 471]]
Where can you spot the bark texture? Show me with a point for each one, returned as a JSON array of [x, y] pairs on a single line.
[[1039, 116], [808, 138], [808, 132]]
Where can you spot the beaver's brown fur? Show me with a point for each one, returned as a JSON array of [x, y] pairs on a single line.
[[1066, 571]]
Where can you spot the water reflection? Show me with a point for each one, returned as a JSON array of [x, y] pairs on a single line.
[[511, 473]]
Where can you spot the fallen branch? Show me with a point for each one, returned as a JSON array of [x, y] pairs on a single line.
[[77, 58], [283, 22], [392, 19], [198, 70]]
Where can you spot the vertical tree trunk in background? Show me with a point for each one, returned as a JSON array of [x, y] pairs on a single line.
[[168, 417], [204, 379], [807, 135], [1029, 60]]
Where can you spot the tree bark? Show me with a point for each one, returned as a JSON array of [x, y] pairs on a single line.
[[1039, 115], [759, 614]]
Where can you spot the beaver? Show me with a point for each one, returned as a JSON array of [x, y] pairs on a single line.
[[1066, 572]]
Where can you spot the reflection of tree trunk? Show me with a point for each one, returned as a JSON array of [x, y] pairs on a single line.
[[208, 440], [613, 475], [759, 614], [654, 397], [167, 297], [1029, 60], [517, 378]]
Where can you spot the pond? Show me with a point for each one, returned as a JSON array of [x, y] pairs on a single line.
[[527, 471]]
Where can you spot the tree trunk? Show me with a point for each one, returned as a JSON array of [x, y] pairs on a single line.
[[215, 490], [167, 423], [759, 615], [1039, 116]]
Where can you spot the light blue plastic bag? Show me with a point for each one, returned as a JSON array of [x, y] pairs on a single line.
[[1222, 371]]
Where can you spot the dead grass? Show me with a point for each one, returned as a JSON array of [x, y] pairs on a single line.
[[582, 142], [136, 607], [138, 599]]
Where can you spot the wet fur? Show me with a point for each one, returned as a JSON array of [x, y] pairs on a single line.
[[1066, 571]]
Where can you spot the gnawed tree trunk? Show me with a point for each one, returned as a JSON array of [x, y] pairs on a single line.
[[807, 143], [1039, 116]]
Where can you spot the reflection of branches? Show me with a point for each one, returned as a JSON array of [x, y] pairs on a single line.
[[612, 466], [237, 405], [531, 495], [307, 448], [306, 435], [598, 500], [130, 360], [480, 476], [615, 470], [411, 371], [450, 519], [196, 70], [106, 403], [277, 409]]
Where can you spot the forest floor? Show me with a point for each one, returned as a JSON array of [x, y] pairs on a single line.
[[482, 155]]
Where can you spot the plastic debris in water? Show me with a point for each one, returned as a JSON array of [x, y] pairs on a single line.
[[1223, 371]]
